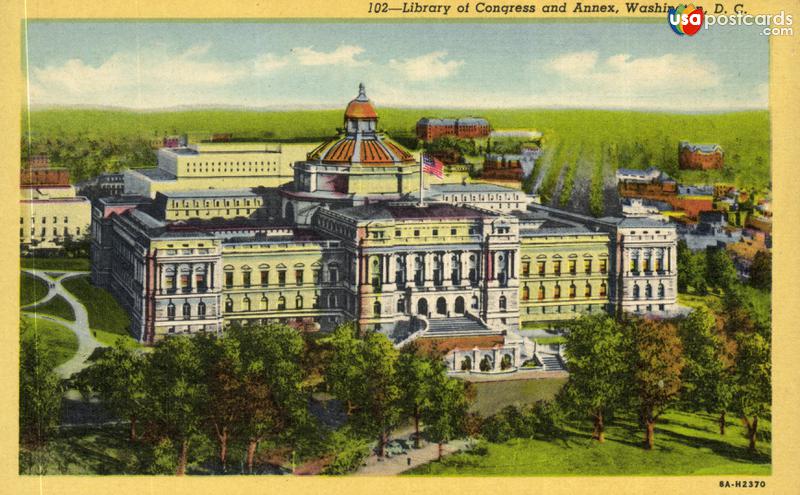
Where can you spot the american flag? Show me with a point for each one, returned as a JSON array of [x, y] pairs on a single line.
[[431, 165]]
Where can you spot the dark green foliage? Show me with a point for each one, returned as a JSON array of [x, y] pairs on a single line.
[[39, 393], [117, 377], [753, 381], [597, 353], [761, 271], [349, 451], [720, 270], [445, 410]]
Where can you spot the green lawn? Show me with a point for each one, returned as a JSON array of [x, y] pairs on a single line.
[[57, 306], [31, 289], [59, 341], [711, 301], [556, 339], [57, 264], [493, 396], [106, 316], [685, 444]]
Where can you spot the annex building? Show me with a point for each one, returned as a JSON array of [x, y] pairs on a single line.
[[468, 267]]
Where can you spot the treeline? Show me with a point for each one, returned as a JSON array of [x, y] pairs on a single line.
[[87, 157], [642, 368], [712, 269], [206, 403]]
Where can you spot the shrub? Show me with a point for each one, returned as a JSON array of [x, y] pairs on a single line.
[[349, 452]]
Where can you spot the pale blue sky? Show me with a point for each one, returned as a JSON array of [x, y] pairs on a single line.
[[271, 65]]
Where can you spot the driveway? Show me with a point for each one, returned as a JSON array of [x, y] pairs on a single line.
[[86, 342]]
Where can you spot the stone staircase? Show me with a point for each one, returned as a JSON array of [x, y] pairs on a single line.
[[551, 362], [459, 326]]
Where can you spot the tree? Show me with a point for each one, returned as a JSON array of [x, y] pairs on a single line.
[[761, 271], [656, 363], [343, 374], [445, 411], [597, 365], [414, 373], [275, 401], [684, 256], [379, 408], [224, 379], [39, 390], [117, 377], [175, 393], [720, 270], [706, 377], [753, 382]]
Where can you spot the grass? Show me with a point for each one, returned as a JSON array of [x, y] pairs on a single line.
[[557, 339], [710, 301], [685, 444], [106, 317], [493, 396], [31, 289], [57, 306], [56, 264], [58, 341]]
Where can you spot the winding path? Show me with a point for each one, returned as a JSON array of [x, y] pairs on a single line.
[[86, 342]]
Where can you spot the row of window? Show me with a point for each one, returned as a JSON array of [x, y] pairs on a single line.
[[44, 232], [217, 203], [44, 220], [379, 234], [264, 278], [542, 291], [264, 305], [572, 267]]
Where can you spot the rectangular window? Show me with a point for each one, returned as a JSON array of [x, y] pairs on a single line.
[[246, 279], [587, 266], [298, 277], [603, 266], [264, 278], [316, 276], [572, 268], [557, 267], [334, 275], [282, 278], [228, 279], [452, 231], [526, 268], [540, 268]]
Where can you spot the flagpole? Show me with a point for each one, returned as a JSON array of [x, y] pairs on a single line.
[[421, 184]]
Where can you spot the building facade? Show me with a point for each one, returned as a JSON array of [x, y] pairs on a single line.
[[51, 213], [700, 156], [429, 129], [349, 240]]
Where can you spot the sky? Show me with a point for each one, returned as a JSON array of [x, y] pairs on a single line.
[[156, 65]]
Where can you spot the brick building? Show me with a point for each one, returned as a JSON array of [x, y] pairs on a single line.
[[429, 129], [700, 156]]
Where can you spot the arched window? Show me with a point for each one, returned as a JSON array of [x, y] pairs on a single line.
[[281, 303], [660, 290], [228, 305], [588, 291], [526, 293], [201, 308], [376, 308], [264, 303], [298, 302], [171, 311], [441, 306], [401, 305], [466, 363], [648, 291], [603, 289], [246, 304], [475, 302], [636, 291], [541, 294], [503, 303], [332, 302], [557, 292], [572, 290], [459, 305], [187, 310]]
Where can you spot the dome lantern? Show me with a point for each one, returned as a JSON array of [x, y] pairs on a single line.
[[360, 115]]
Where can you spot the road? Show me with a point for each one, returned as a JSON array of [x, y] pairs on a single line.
[[86, 342]]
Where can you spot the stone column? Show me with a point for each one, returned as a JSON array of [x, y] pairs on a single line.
[[446, 266], [475, 362]]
